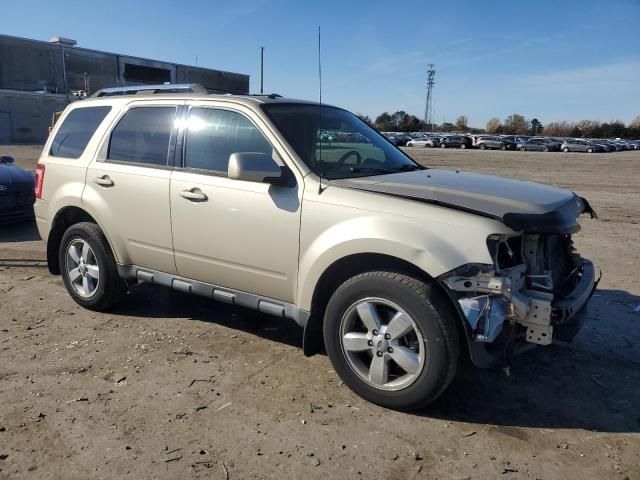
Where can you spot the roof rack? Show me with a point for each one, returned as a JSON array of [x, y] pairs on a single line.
[[268, 95], [151, 89]]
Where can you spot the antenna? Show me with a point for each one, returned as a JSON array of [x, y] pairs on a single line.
[[319, 65], [320, 98], [261, 70]]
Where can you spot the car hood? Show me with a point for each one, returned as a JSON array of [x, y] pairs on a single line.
[[520, 205], [13, 178]]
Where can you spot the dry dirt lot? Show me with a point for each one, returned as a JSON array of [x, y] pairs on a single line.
[[171, 386]]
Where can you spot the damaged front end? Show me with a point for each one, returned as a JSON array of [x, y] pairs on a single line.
[[533, 293]]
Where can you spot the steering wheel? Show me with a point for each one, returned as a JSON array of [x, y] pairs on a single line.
[[344, 157]]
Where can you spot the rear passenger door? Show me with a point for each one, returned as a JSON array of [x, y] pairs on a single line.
[[127, 185], [232, 233]]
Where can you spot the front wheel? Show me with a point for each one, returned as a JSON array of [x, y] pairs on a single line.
[[589, 150], [545, 149], [89, 270], [443, 145], [392, 339], [565, 150], [483, 146], [523, 149], [463, 145]]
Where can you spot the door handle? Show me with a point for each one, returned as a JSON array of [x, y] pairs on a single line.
[[104, 181], [194, 195]]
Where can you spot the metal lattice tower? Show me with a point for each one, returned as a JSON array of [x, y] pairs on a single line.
[[428, 109]]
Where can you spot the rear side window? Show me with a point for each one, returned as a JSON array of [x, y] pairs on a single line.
[[213, 135], [76, 131], [143, 136]]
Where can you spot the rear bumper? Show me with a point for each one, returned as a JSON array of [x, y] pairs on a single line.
[[16, 215]]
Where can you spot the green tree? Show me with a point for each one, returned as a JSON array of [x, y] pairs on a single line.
[[535, 127], [364, 118], [515, 124], [383, 122], [494, 126], [446, 127]]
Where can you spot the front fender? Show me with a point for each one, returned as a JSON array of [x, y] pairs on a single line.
[[434, 248]]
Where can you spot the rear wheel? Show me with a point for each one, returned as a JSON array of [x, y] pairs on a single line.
[[545, 149], [523, 149], [589, 150], [463, 145], [88, 268], [483, 146], [565, 150], [392, 339], [443, 145]]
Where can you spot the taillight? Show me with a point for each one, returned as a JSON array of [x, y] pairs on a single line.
[[39, 180]]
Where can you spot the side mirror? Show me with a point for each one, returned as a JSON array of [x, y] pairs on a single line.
[[6, 159], [258, 167]]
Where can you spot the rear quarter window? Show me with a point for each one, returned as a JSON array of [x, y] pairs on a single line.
[[76, 131]]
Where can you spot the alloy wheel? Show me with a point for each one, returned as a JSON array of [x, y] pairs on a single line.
[[82, 268], [382, 344]]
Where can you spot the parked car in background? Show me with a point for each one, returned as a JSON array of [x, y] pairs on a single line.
[[518, 140], [453, 141], [16, 192], [581, 146], [424, 142], [540, 144], [495, 143]]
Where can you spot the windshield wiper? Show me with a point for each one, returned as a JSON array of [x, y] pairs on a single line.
[[407, 168], [370, 169]]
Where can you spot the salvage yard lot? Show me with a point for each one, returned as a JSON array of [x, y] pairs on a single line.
[[173, 386]]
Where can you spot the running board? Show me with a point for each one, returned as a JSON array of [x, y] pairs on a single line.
[[221, 294]]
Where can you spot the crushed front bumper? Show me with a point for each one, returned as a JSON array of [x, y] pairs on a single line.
[[491, 304]]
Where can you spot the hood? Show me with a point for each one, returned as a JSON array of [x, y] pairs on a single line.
[[13, 178], [520, 205]]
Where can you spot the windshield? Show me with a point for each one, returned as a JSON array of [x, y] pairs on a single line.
[[335, 143]]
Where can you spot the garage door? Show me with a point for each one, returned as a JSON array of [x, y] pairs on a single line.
[[5, 127]]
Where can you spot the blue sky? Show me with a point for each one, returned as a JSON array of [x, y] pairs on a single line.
[[554, 60]]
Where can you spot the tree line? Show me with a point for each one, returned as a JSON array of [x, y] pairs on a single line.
[[515, 124]]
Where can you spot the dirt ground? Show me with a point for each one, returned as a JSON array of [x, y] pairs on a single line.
[[173, 386]]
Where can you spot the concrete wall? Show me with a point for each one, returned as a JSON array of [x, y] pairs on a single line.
[[34, 65], [31, 65], [25, 117]]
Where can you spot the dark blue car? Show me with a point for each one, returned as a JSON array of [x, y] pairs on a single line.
[[16, 192]]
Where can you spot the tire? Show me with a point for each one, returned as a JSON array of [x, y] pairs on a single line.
[[523, 149], [483, 146], [104, 288], [443, 145], [463, 145], [545, 149], [565, 150], [503, 147], [433, 339], [589, 150]]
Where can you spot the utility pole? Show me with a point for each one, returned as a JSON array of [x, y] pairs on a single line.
[[261, 70], [428, 109]]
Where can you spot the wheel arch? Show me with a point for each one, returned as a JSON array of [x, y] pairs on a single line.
[[339, 272], [62, 220]]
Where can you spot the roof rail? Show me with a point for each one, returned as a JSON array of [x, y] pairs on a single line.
[[151, 89]]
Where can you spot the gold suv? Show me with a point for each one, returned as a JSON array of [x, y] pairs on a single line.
[[302, 211]]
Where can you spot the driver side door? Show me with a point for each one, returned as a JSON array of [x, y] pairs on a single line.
[[232, 233]]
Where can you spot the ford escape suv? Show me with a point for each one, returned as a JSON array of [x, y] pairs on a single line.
[[395, 268]]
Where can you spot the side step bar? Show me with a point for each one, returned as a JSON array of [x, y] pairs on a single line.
[[221, 294]]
